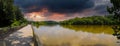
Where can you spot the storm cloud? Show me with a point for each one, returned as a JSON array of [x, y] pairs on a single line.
[[60, 6], [61, 9]]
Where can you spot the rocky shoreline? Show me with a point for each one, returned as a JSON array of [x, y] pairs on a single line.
[[22, 37], [7, 31]]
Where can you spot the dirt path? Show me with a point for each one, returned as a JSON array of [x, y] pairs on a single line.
[[22, 37]]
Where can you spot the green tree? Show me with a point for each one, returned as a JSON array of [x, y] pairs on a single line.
[[93, 20], [115, 9], [9, 14], [6, 12]]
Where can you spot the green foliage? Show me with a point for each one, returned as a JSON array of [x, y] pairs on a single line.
[[94, 20], [115, 9], [6, 12], [10, 14], [16, 23], [43, 23]]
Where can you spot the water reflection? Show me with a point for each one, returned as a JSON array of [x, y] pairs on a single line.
[[75, 35], [91, 28]]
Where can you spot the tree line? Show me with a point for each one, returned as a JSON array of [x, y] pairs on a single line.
[[93, 20], [10, 15]]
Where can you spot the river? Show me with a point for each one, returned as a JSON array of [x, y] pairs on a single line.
[[75, 35]]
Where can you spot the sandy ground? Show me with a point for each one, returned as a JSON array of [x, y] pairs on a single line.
[[22, 37]]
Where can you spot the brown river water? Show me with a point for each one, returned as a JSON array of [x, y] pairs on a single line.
[[75, 35]]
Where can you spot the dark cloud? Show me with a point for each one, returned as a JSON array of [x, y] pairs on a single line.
[[62, 9], [101, 7], [60, 6]]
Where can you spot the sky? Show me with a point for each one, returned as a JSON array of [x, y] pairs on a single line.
[[59, 10]]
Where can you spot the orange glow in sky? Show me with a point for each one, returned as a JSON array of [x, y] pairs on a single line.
[[43, 15], [57, 16], [35, 16]]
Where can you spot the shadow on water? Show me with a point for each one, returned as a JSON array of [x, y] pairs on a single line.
[[90, 28], [115, 30]]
